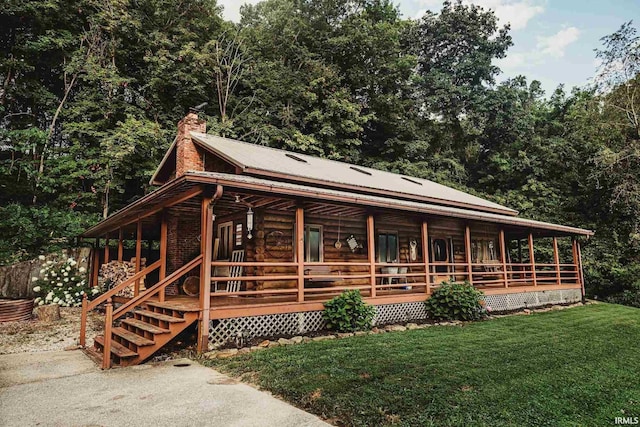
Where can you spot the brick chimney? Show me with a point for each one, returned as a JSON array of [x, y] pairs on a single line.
[[188, 155]]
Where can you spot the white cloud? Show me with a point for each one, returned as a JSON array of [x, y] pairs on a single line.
[[231, 9], [514, 61], [518, 13], [556, 44]]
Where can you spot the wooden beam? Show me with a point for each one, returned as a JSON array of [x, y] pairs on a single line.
[[95, 267], [206, 237], [532, 260], [300, 251], [503, 257], [120, 246], [556, 260], [163, 252], [136, 286], [580, 270], [371, 254], [106, 249], [467, 251], [425, 256]]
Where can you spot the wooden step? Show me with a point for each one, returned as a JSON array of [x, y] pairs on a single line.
[[132, 337], [159, 316], [174, 305], [141, 324], [116, 348]]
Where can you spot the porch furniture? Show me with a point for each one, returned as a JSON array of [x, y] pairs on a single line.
[[232, 271], [400, 271], [320, 282]]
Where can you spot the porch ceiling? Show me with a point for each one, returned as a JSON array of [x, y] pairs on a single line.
[[268, 194]]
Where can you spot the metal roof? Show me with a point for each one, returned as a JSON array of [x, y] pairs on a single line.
[[192, 179], [270, 162]]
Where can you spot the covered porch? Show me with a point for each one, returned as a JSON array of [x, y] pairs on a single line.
[[257, 247]]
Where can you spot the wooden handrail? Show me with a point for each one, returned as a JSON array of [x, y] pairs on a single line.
[[111, 292], [158, 286]]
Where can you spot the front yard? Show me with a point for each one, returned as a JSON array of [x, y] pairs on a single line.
[[579, 366]]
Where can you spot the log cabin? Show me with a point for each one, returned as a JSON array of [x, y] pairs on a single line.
[[245, 241]]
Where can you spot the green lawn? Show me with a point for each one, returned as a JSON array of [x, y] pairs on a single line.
[[579, 366]]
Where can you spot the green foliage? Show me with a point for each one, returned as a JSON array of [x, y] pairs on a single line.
[[62, 282], [348, 312], [456, 301]]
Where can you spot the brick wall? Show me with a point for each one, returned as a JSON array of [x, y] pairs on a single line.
[[183, 243], [188, 155]]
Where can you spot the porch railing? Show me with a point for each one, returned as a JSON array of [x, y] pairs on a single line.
[[327, 279]]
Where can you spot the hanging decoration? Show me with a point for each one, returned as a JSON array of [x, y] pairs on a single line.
[[413, 249], [249, 223], [338, 243]]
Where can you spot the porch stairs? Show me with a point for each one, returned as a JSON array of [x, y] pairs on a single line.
[[141, 325], [145, 331]]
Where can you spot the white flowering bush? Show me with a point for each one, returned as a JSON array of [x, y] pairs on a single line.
[[62, 282]]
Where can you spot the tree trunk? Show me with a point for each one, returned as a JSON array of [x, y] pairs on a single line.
[[48, 313]]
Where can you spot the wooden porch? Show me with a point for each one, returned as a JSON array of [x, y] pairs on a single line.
[[296, 253]]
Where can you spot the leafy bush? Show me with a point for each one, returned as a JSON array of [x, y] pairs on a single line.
[[348, 312], [456, 301], [62, 282]]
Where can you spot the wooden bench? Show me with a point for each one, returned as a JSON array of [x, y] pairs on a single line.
[[320, 282]]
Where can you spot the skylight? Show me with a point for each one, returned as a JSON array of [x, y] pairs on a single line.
[[294, 157], [360, 170], [410, 180]]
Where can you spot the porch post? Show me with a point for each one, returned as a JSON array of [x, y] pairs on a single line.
[[467, 250], [120, 246], [580, 270], [556, 260], [300, 251], [371, 254], [425, 256], [96, 263], [206, 238], [532, 260], [163, 252], [106, 248], [136, 286], [503, 255]]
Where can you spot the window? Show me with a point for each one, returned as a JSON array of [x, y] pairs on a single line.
[[225, 245], [313, 243], [388, 250], [440, 254]]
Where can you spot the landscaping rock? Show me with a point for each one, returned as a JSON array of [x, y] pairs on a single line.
[[324, 338], [244, 350], [273, 344], [359, 333], [264, 343], [395, 328], [223, 354], [345, 334], [297, 340], [526, 311], [256, 348], [284, 341], [411, 326], [210, 355]]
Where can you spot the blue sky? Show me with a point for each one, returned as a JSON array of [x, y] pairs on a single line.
[[554, 40]]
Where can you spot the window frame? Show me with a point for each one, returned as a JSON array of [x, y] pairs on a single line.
[[229, 244], [387, 233], [307, 242]]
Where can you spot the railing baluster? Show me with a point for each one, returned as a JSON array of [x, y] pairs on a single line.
[[83, 322]]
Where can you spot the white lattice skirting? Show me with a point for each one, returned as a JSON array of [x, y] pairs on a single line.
[[507, 302], [289, 324]]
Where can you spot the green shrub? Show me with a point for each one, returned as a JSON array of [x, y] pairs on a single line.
[[456, 301], [348, 312]]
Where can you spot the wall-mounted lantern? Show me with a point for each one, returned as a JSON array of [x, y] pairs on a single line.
[[249, 223]]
